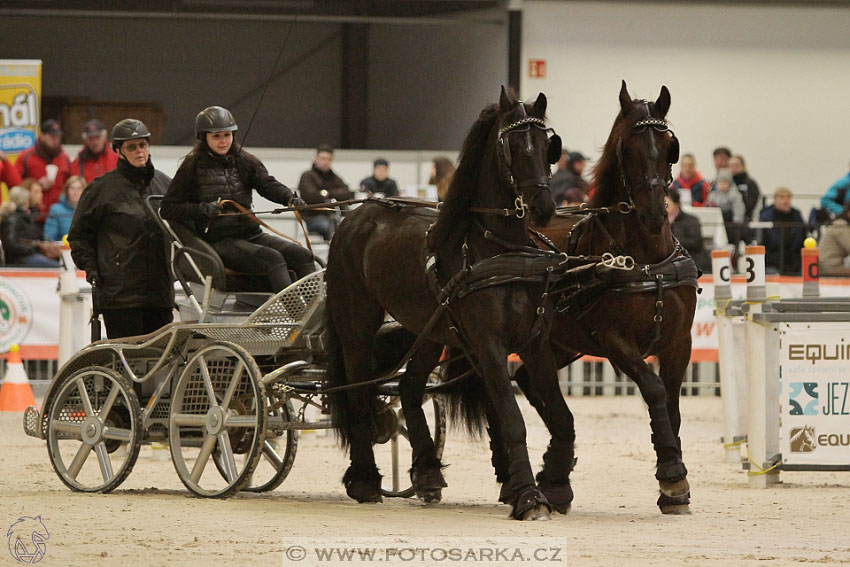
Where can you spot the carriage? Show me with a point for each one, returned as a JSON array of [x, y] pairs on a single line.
[[233, 385]]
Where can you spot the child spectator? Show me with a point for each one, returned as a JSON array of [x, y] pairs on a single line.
[[59, 218], [726, 197]]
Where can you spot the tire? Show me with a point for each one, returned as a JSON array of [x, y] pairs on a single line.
[[217, 411], [76, 426]]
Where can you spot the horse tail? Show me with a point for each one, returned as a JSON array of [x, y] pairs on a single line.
[[338, 401], [467, 398]]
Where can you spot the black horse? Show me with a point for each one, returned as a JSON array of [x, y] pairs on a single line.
[[388, 258], [627, 316]]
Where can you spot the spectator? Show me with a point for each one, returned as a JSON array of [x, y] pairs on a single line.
[[119, 247], [36, 201], [320, 184], [557, 184], [59, 218], [721, 161], [380, 182], [8, 173], [692, 181], [47, 150], [835, 246], [782, 243], [687, 230], [747, 186], [218, 168], [576, 162], [442, 173], [837, 196], [726, 197], [96, 157], [22, 239]]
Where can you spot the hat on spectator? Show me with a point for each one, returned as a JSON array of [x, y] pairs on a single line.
[[724, 175], [93, 128], [51, 127], [380, 161], [576, 156]]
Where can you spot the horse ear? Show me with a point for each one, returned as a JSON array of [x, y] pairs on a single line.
[[507, 100], [540, 106], [662, 104], [625, 100]]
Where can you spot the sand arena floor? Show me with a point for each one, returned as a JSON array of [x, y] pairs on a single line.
[[152, 520]]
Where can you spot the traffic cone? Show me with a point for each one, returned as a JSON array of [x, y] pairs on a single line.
[[15, 390]]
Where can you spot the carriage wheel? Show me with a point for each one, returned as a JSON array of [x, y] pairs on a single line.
[[396, 457], [278, 452], [217, 413], [95, 410]]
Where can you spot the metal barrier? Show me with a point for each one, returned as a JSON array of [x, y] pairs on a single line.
[[599, 378]]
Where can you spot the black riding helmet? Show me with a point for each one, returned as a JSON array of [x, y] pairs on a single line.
[[214, 119], [128, 129]]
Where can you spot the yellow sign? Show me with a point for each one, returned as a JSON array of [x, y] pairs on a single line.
[[20, 103]]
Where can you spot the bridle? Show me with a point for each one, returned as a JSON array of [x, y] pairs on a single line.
[[648, 125], [503, 149]]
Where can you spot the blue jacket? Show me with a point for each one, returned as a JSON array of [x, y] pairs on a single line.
[[58, 220], [830, 199]]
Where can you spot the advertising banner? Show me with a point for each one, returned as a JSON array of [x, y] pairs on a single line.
[[814, 396], [20, 106]]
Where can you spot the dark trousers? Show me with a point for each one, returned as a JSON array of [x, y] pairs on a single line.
[[138, 321], [266, 255]]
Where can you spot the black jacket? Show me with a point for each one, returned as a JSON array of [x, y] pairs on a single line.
[[388, 186], [206, 178], [19, 233], [749, 190], [112, 237], [687, 230]]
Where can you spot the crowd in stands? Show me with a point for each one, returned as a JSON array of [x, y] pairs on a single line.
[[45, 187]]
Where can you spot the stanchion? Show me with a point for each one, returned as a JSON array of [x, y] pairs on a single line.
[[69, 292], [811, 276], [762, 378], [733, 431]]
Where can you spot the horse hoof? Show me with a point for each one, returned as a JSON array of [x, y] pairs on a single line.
[[560, 496], [363, 485], [364, 493], [430, 496], [677, 504], [531, 505]]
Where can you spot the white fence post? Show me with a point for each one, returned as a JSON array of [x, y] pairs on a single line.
[[69, 291]]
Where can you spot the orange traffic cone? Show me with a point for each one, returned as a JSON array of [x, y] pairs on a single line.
[[15, 390]]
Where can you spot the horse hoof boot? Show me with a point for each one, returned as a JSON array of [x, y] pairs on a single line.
[[531, 505], [560, 496], [675, 497]]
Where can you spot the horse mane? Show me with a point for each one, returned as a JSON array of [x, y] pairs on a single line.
[[454, 214], [606, 174]]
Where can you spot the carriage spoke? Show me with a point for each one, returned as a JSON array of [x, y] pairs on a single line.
[[117, 433], [110, 400], [84, 397], [205, 374], [203, 457], [227, 461], [104, 462], [68, 427], [241, 421], [189, 419], [234, 381], [79, 460], [271, 455]]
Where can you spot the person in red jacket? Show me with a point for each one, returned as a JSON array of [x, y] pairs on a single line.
[[47, 150], [8, 174], [96, 157]]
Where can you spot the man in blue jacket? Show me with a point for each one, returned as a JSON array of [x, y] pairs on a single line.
[[837, 195]]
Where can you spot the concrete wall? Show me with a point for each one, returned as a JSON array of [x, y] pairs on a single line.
[[427, 81], [772, 83]]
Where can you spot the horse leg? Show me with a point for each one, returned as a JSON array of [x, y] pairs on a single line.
[[499, 457], [539, 382], [356, 334], [530, 503], [673, 364], [671, 472], [426, 469]]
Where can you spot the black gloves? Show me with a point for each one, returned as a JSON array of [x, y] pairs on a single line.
[[296, 201], [91, 277], [210, 210]]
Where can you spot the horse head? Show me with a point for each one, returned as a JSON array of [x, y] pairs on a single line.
[[646, 149], [525, 151]]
